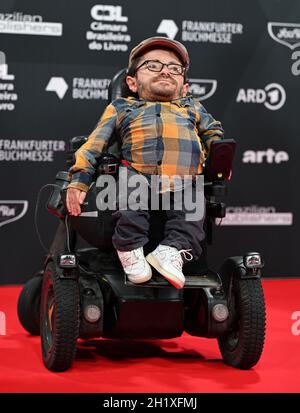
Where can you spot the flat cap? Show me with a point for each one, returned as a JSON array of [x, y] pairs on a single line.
[[156, 42]]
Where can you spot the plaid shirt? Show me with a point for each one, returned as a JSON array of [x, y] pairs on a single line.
[[160, 138]]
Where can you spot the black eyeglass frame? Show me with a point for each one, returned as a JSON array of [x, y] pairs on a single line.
[[183, 69]]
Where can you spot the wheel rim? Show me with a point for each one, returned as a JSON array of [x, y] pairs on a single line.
[[233, 339]]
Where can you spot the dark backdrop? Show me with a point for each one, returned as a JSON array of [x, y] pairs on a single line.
[[56, 61]]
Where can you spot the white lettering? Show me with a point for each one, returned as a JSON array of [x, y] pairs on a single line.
[[5, 211], [251, 96], [296, 65], [7, 106], [285, 33], [213, 32], [31, 28], [241, 97], [19, 16], [4, 72], [108, 13], [115, 47], [273, 96], [270, 156]]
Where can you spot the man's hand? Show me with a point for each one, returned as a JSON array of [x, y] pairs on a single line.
[[75, 198]]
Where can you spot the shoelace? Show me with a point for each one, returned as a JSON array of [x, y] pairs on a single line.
[[177, 260]]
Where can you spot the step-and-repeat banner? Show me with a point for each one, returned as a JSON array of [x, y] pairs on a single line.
[[56, 61]]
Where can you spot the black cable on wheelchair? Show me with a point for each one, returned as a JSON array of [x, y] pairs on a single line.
[[36, 213]]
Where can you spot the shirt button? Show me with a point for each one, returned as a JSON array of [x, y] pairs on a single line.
[[159, 162]]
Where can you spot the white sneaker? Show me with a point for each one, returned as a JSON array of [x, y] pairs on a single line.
[[168, 262], [135, 265]]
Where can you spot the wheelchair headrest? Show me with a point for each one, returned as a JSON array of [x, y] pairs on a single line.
[[115, 89], [218, 166]]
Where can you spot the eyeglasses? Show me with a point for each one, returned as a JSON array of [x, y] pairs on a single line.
[[157, 66]]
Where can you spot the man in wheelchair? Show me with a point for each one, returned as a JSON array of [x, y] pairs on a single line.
[[161, 132], [164, 132]]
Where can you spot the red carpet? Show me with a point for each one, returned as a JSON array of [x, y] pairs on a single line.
[[184, 365]]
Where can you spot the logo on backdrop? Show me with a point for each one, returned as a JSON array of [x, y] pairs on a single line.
[[14, 150], [256, 215], [8, 95], [19, 23], [268, 156], [108, 30], [57, 85], [201, 32], [168, 27], [202, 88], [11, 211], [287, 34], [273, 96], [83, 88]]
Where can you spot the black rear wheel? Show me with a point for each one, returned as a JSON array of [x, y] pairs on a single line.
[[59, 321], [243, 344], [29, 304]]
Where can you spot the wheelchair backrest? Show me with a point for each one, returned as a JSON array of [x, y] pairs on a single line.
[[116, 86]]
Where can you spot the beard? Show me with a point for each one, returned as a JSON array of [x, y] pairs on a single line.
[[160, 88]]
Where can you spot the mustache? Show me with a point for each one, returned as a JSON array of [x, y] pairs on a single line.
[[164, 77]]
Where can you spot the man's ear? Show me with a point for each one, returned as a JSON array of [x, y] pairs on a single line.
[[185, 89], [131, 83]]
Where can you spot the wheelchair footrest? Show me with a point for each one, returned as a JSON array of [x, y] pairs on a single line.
[[208, 280]]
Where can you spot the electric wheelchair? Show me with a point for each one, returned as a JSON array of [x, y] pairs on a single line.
[[82, 292]]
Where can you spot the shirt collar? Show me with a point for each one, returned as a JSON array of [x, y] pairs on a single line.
[[181, 102]]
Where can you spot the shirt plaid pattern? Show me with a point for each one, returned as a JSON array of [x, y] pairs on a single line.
[[160, 138]]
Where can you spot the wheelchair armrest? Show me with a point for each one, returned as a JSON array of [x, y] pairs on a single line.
[[74, 144], [218, 166]]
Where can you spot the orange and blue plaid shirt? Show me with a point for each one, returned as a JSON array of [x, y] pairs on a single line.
[[160, 138]]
